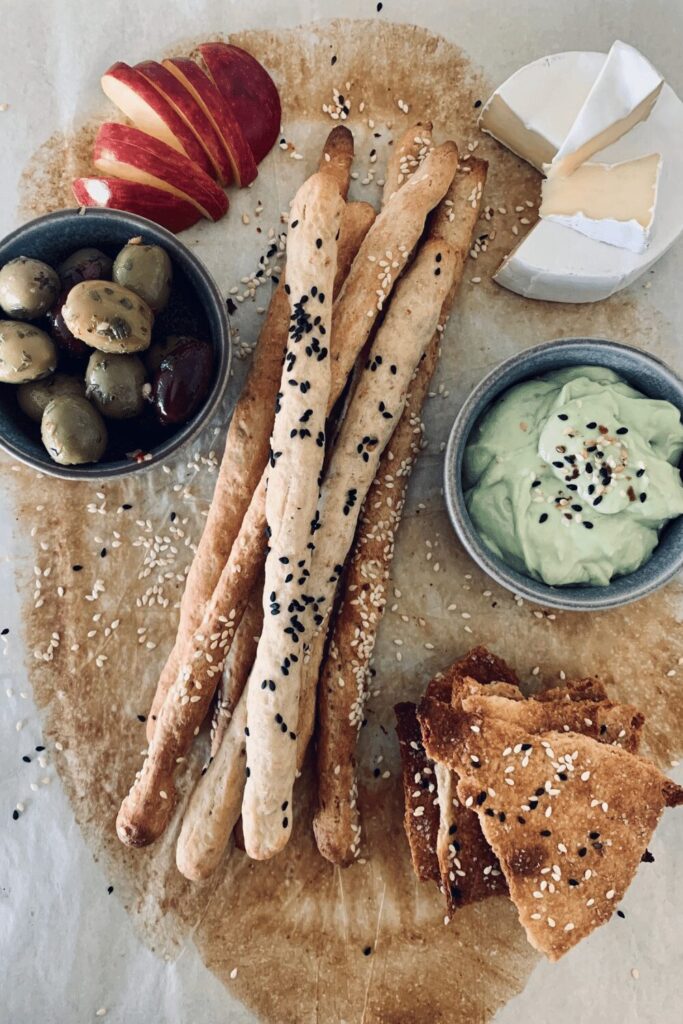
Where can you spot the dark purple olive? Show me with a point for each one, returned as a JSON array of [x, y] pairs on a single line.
[[71, 347], [85, 265], [182, 381]]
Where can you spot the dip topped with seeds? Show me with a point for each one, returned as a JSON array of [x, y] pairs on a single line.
[[569, 477]]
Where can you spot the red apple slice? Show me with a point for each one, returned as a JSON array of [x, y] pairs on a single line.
[[221, 116], [249, 89], [149, 110], [147, 201], [125, 152], [185, 105]]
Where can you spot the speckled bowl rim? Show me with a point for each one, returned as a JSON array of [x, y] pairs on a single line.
[[209, 296], [622, 591]]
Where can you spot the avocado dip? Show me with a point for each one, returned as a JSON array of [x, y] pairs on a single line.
[[569, 477]]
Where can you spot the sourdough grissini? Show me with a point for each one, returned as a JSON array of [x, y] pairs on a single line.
[[215, 804], [296, 462], [145, 812], [406, 156], [343, 682], [246, 446]]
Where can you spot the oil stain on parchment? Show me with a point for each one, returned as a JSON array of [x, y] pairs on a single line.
[[313, 943]]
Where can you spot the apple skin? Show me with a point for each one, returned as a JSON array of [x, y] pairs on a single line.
[[249, 89], [219, 111], [145, 200], [149, 110], [192, 114], [126, 152]]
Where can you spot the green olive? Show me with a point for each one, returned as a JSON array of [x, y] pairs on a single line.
[[108, 317], [114, 384], [27, 288], [34, 396], [73, 431], [147, 271], [26, 352]]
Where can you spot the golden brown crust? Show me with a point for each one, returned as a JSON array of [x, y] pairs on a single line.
[[237, 666], [337, 157]]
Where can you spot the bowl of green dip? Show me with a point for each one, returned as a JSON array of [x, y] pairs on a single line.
[[562, 474]]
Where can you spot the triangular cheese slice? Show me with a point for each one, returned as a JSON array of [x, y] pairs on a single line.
[[622, 95], [612, 203], [568, 818]]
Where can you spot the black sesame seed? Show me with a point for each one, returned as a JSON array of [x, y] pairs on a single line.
[[103, 553], [333, 60], [15, 815], [501, 816], [643, 496], [26, 758], [583, 851], [591, 426], [232, 308], [285, 821], [76, 568], [593, 835], [477, 104], [5, 631], [481, 797], [489, 812], [546, 832], [542, 518], [521, 820], [452, 830], [318, 243], [576, 508], [573, 881], [110, 889], [589, 526], [40, 749], [368, 949], [536, 483], [526, 746], [558, 464], [622, 430], [540, 791], [562, 416], [621, 914], [142, 718]]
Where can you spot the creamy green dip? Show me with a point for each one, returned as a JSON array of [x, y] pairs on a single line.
[[570, 477]]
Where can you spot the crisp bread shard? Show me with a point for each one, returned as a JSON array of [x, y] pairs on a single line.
[[446, 842], [568, 817], [421, 818]]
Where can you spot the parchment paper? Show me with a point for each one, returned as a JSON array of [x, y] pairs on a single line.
[[289, 942]]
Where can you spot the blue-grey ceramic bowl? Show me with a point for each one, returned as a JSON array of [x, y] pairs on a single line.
[[644, 372], [196, 307]]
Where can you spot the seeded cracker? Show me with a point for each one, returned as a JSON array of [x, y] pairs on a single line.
[[421, 818], [570, 853]]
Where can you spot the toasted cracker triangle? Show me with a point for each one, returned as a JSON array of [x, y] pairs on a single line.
[[421, 816], [569, 819]]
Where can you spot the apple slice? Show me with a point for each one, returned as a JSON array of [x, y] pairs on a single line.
[[125, 152], [145, 200], [185, 105], [149, 110], [217, 109], [250, 91]]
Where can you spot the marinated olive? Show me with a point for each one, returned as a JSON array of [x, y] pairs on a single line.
[[73, 431], [27, 288], [182, 381], [147, 271], [114, 384], [26, 352], [108, 317], [37, 394], [61, 335], [85, 265], [156, 352]]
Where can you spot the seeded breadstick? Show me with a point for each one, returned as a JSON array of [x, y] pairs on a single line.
[[297, 452], [145, 813], [406, 157], [342, 687], [246, 444], [237, 666], [216, 802]]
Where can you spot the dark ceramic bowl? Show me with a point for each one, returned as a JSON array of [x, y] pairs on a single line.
[[642, 371], [196, 307]]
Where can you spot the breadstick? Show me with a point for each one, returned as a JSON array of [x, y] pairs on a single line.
[[145, 813], [406, 157], [297, 451], [237, 666], [246, 444], [215, 804], [343, 681]]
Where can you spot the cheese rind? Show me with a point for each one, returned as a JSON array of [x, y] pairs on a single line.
[[623, 95], [532, 112], [612, 203]]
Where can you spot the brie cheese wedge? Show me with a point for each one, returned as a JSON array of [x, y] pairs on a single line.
[[532, 112], [613, 203], [556, 263], [623, 95]]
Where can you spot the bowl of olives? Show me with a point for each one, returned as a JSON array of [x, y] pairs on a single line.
[[114, 344]]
